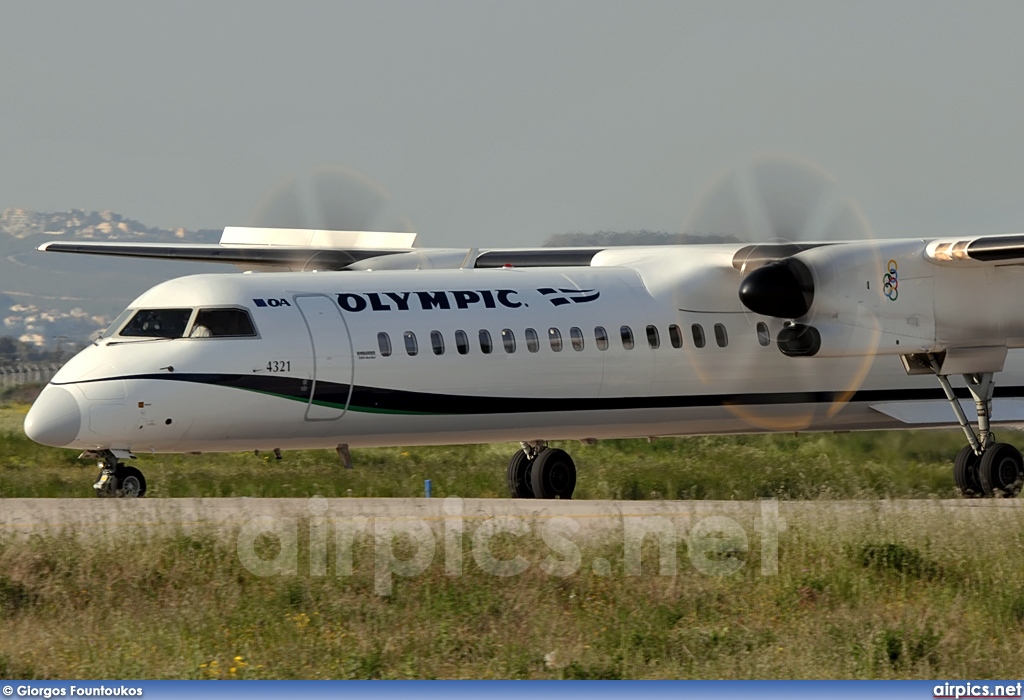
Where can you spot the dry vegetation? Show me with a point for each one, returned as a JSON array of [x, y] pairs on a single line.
[[867, 594]]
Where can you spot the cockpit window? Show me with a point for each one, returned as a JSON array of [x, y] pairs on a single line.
[[157, 323], [222, 323], [117, 323]]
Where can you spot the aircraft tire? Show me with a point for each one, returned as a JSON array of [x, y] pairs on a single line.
[[965, 473], [553, 475], [1001, 470], [519, 467], [130, 482]]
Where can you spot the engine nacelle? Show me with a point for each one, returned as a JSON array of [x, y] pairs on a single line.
[[888, 298], [857, 299]]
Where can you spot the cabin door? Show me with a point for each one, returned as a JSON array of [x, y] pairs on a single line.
[[333, 362]]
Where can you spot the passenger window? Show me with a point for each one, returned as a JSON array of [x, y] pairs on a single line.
[[384, 343], [437, 342], [222, 323], [485, 342], [411, 346], [698, 335], [157, 323], [626, 333], [676, 336], [576, 336], [462, 342], [653, 339], [601, 336], [532, 340], [721, 336], [508, 339], [763, 336], [555, 336]]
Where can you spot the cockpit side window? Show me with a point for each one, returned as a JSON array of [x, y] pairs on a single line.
[[117, 323], [222, 323], [157, 323]]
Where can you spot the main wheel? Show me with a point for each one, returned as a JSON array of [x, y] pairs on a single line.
[[519, 468], [553, 475], [965, 473], [1001, 470], [130, 482]]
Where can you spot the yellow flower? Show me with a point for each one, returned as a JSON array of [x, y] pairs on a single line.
[[202, 665], [238, 658], [231, 670]]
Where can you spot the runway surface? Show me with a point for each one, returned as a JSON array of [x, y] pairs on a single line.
[[28, 515]]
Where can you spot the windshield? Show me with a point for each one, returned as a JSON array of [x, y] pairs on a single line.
[[116, 323], [157, 323]]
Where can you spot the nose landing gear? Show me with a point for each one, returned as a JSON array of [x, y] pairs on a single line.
[[116, 480]]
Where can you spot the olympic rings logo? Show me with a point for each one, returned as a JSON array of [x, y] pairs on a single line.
[[890, 282]]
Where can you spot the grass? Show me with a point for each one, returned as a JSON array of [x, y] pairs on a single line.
[[903, 464], [864, 592], [869, 594]]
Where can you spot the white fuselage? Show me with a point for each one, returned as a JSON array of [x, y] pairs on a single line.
[[317, 374]]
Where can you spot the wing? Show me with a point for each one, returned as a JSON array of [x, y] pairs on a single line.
[[301, 249], [292, 249], [289, 257]]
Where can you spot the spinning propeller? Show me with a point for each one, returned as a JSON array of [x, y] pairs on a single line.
[[783, 206], [329, 197]]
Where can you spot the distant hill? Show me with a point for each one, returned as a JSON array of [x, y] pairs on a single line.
[[642, 237], [91, 225], [47, 297]]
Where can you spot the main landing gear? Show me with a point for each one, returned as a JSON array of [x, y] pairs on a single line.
[[117, 480], [984, 467], [538, 471]]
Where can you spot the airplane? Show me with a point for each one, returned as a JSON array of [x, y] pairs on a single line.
[[342, 339]]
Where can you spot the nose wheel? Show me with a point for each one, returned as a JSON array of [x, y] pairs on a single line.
[[117, 480]]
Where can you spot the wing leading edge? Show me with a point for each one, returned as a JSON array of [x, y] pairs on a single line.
[[293, 249], [1005, 249], [290, 257]]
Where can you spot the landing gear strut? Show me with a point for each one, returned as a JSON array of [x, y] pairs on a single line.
[[117, 480], [984, 467], [537, 471]]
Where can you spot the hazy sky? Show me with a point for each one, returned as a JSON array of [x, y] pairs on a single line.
[[499, 123]]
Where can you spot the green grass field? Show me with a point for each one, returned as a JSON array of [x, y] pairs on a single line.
[[860, 595], [905, 464]]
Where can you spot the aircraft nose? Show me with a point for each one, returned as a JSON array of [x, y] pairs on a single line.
[[54, 418]]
